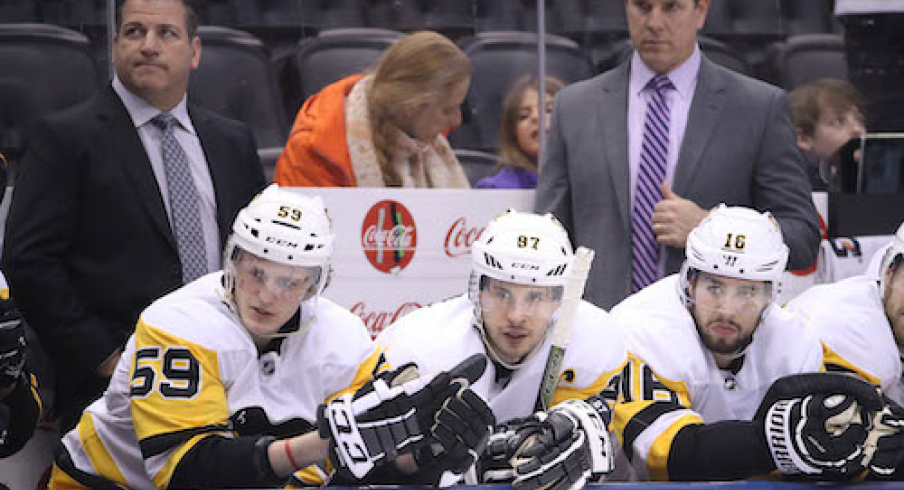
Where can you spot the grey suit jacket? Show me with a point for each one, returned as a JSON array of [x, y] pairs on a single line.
[[739, 148]]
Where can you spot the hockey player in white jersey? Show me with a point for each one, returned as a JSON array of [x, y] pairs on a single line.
[[520, 264], [244, 376], [706, 346], [861, 322]]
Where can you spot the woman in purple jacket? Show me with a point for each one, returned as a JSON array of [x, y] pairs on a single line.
[[519, 134]]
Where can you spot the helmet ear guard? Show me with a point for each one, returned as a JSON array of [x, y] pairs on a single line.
[[892, 259]]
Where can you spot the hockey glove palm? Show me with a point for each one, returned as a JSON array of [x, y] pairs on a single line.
[[459, 433], [884, 445]]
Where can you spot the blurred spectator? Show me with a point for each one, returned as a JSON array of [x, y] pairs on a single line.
[[519, 134], [826, 114], [874, 43], [385, 128], [121, 199]]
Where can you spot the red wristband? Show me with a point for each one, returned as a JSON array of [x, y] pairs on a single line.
[[289, 455]]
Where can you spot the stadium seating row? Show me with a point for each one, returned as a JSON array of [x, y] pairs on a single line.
[[239, 77]]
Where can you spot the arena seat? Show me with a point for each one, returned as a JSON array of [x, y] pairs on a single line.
[[35, 59], [476, 164], [499, 58], [328, 57], [235, 79]]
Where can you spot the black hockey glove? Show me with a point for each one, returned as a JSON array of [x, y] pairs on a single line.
[[816, 424], [572, 447], [885, 443], [12, 344], [389, 415], [495, 464], [459, 433]]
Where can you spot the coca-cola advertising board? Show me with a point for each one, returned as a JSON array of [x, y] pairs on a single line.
[[396, 250]]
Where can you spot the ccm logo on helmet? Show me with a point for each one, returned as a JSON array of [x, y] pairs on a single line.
[[529, 267], [281, 242]]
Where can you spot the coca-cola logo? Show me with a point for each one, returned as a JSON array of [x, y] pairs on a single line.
[[389, 236], [376, 321], [460, 237]]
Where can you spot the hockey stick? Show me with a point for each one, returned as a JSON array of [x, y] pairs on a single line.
[[561, 331]]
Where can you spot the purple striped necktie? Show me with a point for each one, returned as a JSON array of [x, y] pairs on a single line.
[[650, 175]]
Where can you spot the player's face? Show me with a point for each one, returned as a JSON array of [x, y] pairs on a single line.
[[664, 32], [153, 52], [894, 302], [516, 317], [527, 130], [267, 294], [727, 310], [428, 120]]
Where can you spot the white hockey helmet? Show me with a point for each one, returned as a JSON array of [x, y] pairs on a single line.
[[736, 242], [521, 248], [892, 258], [283, 226]]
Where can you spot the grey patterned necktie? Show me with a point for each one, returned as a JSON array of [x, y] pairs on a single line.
[[183, 199]]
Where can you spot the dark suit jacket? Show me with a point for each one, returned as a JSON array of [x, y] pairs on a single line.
[[739, 148], [88, 243]]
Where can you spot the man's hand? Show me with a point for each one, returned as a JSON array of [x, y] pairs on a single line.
[[674, 217], [389, 415], [816, 424]]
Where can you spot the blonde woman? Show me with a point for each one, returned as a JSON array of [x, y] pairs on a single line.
[[384, 128]]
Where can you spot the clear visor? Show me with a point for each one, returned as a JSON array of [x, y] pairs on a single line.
[[508, 302], [281, 281], [728, 296]]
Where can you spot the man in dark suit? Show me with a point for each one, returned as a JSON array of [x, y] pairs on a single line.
[[91, 237], [715, 136]]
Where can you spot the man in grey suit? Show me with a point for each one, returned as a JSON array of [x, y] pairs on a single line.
[[714, 135]]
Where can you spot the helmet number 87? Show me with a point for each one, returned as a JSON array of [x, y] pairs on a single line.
[[528, 241]]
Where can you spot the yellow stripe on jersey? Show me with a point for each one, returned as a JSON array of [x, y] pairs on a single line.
[[835, 363], [563, 393], [60, 480], [163, 477], [100, 459], [4, 293], [33, 386], [658, 457], [372, 365]]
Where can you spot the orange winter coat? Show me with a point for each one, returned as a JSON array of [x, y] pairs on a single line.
[[316, 154]]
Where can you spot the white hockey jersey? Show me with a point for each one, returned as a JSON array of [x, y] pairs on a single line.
[[191, 370], [850, 319], [669, 362], [438, 337]]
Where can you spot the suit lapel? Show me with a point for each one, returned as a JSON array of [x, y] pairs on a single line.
[[614, 114], [709, 100], [130, 155], [216, 155]]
